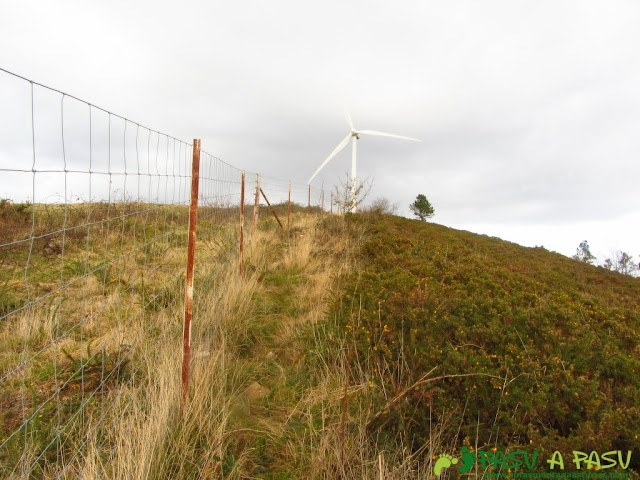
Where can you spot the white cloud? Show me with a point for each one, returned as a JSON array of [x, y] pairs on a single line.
[[529, 112]]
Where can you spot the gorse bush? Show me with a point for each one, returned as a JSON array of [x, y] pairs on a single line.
[[535, 350]]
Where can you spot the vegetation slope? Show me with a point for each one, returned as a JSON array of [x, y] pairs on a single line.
[[361, 346], [500, 346]]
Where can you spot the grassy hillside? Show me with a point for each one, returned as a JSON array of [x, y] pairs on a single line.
[[362, 346], [499, 345]]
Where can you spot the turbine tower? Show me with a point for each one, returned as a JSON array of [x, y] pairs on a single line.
[[354, 136]]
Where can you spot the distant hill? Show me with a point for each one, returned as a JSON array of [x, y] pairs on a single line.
[[538, 351]]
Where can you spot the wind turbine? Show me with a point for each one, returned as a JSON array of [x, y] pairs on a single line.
[[354, 136]]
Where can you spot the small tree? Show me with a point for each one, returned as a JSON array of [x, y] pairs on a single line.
[[583, 253], [348, 200], [421, 208], [621, 262]]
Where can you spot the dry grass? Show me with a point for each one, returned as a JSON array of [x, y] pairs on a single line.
[[269, 371]]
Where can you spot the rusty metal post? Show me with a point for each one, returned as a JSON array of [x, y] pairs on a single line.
[[272, 210], [191, 253], [289, 207], [241, 224], [256, 206], [309, 200]]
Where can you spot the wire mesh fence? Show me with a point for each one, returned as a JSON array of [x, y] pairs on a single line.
[[94, 216]]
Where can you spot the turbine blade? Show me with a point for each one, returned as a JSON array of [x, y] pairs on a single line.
[[340, 146], [347, 117], [382, 134]]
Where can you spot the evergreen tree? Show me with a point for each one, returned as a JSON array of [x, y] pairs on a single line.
[[421, 208]]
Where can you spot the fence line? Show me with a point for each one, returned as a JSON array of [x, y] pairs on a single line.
[[98, 219]]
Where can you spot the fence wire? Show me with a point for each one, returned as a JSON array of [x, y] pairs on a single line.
[[94, 212]]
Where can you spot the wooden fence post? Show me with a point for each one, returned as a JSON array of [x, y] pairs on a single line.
[[191, 253], [241, 223], [322, 207], [309, 200], [331, 202], [289, 207], [256, 206], [272, 210]]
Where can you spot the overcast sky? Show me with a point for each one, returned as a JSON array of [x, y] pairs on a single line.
[[528, 111]]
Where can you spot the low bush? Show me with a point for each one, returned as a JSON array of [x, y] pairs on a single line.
[[533, 349]]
